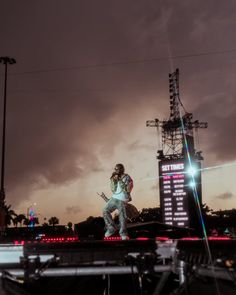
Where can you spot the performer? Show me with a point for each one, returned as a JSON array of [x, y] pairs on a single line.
[[121, 186]]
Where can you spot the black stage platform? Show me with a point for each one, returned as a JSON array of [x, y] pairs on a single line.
[[139, 266]]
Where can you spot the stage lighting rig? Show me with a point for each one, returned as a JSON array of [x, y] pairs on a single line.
[[179, 162]]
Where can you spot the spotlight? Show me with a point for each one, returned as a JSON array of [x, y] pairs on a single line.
[[192, 171], [192, 184]]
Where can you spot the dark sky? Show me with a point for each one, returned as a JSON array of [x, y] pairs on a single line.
[[90, 73]]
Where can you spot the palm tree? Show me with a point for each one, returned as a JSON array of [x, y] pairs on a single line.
[[10, 215], [15, 221], [53, 221], [26, 221], [36, 220], [21, 218], [45, 222]]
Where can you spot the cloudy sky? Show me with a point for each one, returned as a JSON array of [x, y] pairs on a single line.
[[88, 76]]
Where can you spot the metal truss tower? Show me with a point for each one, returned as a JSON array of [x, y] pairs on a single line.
[[177, 128], [179, 163]]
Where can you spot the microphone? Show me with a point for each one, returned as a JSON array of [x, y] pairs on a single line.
[[114, 174]]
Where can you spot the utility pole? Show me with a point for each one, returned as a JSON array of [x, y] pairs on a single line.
[[6, 61]]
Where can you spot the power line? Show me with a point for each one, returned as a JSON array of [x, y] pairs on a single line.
[[129, 62]]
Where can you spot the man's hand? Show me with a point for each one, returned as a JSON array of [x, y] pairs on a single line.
[[115, 176]]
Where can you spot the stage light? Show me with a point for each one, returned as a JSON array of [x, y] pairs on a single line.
[[192, 184], [192, 171]]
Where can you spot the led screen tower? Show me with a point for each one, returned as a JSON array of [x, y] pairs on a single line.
[[179, 163], [176, 192]]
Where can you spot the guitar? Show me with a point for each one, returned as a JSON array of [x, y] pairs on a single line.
[[131, 210]]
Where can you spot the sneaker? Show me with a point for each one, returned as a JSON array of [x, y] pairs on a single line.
[[123, 238], [110, 232]]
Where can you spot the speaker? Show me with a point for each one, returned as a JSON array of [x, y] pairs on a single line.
[[89, 231]]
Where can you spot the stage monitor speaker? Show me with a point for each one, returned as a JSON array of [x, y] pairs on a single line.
[[89, 231]]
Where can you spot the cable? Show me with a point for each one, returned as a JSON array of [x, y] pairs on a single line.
[[121, 63]]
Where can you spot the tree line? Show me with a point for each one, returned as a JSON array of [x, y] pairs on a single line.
[[212, 219], [12, 218]]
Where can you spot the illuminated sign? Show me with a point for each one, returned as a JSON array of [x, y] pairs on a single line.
[[31, 216], [176, 193]]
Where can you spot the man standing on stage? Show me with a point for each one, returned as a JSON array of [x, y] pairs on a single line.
[[121, 186]]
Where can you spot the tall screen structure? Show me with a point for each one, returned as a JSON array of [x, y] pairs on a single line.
[[177, 181]]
